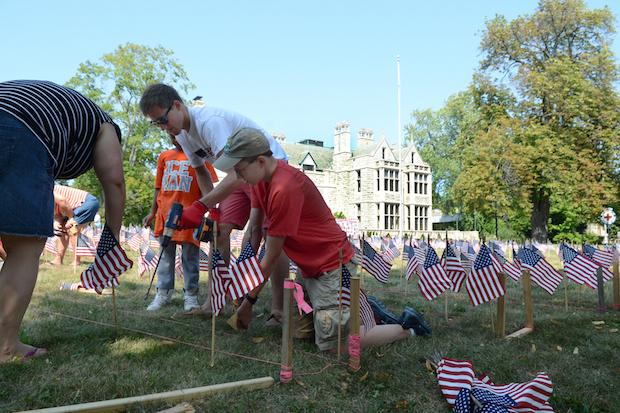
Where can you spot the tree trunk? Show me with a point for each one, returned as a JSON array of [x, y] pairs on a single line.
[[540, 216]]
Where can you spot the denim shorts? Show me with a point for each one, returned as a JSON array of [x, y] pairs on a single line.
[[26, 181], [86, 212]]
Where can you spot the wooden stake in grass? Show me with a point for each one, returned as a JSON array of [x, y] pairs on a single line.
[[286, 367], [354, 326], [210, 272], [602, 308]]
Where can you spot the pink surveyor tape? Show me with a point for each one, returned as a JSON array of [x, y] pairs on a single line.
[[298, 293]]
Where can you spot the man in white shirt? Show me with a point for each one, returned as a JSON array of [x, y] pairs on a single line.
[[203, 132]]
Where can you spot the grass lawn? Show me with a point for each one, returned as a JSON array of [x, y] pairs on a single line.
[[90, 359]]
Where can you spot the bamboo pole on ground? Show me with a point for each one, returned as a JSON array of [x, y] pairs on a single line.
[[286, 368], [501, 309], [119, 405]]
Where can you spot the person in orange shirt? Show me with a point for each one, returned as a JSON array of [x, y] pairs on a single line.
[[175, 182]]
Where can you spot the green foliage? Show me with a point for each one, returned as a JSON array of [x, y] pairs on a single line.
[[339, 215], [535, 138], [116, 83]]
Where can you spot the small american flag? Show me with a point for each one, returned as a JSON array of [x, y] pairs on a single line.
[[433, 278], [483, 284], [390, 251], [602, 258], [110, 262], [85, 247], [203, 259], [367, 317], [533, 396], [466, 263], [220, 283], [412, 261], [455, 271], [374, 263], [148, 260], [50, 245], [542, 273], [135, 242], [491, 402], [580, 269], [508, 268], [246, 273]]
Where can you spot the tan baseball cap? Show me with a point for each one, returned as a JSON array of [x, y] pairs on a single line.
[[244, 143]]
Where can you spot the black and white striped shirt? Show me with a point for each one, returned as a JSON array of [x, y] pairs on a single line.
[[66, 122]]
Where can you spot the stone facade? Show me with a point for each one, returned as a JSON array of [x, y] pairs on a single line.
[[364, 183]]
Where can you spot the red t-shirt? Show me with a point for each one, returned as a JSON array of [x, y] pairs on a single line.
[[295, 209], [176, 181]]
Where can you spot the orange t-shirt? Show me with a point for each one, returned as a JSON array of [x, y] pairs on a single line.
[[176, 181]]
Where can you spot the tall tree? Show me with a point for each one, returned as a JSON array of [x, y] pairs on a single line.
[[558, 64], [116, 83]]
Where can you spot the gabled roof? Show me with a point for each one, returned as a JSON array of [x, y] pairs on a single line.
[[296, 153]]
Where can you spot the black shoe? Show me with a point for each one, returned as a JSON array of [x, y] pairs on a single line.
[[381, 311], [415, 320]]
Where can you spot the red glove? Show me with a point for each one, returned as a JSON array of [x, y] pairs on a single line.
[[192, 216], [214, 214]]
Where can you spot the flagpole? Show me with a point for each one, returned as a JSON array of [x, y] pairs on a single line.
[[400, 154]]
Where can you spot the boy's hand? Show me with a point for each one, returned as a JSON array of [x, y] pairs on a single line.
[[244, 315]]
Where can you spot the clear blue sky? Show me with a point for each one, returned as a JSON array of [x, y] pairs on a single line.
[[293, 68]]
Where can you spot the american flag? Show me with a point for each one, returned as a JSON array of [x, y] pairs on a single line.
[[261, 251], [367, 317], [454, 269], [135, 242], [535, 249], [85, 247], [203, 259], [433, 278], [374, 263], [50, 245], [236, 238], [491, 402], [412, 262], [110, 262], [602, 258], [420, 251], [530, 397], [542, 273], [483, 284], [580, 269], [292, 267], [220, 283], [466, 263], [148, 260], [469, 251], [390, 252], [246, 273], [508, 268]]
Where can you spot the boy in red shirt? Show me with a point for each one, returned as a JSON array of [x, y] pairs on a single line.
[[300, 223], [176, 182]]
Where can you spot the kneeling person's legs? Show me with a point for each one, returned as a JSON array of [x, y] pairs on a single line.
[[324, 293]]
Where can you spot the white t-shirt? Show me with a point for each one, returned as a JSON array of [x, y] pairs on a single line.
[[209, 131]]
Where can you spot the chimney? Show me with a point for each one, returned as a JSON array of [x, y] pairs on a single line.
[[364, 138], [342, 138]]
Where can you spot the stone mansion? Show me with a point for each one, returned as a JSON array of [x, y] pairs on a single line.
[[364, 183]]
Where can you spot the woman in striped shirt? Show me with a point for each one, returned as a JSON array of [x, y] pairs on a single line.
[[47, 132]]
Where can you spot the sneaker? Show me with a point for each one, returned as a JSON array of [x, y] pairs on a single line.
[[412, 319], [381, 311], [161, 299], [190, 302]]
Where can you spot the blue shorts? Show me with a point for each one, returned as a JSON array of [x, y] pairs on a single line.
[[26, 181], [86, 212]]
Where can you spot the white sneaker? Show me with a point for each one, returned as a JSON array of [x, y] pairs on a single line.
[[190, 302], [161, 299]]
